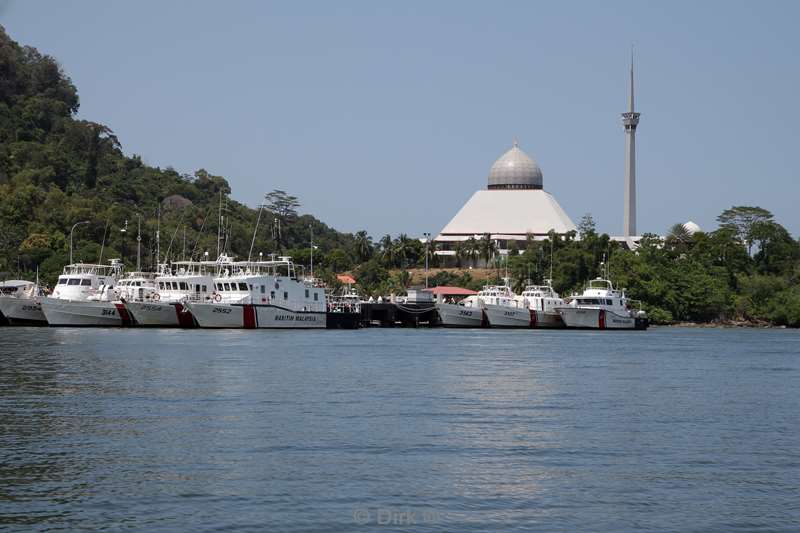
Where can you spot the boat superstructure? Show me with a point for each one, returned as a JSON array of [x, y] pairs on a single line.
[[84, 296], [502, 308], [602, 307], [175, 285], [466, 313], [343, 309], [261, 294], [542, 302], [20, 303]]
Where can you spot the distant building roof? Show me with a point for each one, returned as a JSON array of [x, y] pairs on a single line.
[[509, 212], [450, 291], [691, 227], [515, 170]]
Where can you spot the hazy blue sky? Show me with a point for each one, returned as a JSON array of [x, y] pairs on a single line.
[[387, 116]]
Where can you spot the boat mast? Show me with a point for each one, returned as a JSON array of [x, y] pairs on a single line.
[[219, 222], [255, 231], [103, 245], [139, 244], [311, 229], [158, 236]]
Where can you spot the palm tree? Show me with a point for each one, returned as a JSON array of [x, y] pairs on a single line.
[[487, 248], [387, 249], [678, 237], [402, 248], [363, 246], [461, 253], [471, 248]]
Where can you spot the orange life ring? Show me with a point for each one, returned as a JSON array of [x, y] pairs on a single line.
[[156, 297], [217, 297]]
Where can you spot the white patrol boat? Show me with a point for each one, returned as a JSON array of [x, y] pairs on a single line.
[[467, 313], [84, 296], [262, 294], [184, 281], [542, 301], [19, 303], [502, 308], [602, 307]]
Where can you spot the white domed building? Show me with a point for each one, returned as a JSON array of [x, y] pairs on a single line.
[[513, 206]]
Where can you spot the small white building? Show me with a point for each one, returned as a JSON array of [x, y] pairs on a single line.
[[512, 207]]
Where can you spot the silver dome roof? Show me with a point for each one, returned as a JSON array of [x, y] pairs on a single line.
[[515, 170]]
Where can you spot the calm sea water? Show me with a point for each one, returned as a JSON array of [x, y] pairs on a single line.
[[395, 430]]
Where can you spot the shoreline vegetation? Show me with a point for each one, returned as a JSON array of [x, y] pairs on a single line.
[[57, 171]]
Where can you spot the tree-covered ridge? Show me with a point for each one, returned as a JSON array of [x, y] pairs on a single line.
[[56, 170]]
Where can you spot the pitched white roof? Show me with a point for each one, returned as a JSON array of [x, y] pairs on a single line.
[[509, 212]]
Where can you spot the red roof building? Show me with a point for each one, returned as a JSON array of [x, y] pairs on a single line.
[[450, 291]]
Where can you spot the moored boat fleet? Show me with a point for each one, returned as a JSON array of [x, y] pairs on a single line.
[[207, 294], [268, 294], [600, 306]]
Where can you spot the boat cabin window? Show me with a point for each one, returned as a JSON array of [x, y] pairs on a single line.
[[86, 283], [73, 281], [243, 286], [184, 286], [316, 296], [609, 302], [62, 281], [226, 286], [204, 288], [285, 295], [306, 293], [263, 289], [272, 294]]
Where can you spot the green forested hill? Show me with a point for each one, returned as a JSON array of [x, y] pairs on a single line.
[[56, 170]]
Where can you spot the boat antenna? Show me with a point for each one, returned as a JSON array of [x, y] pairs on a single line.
[[103, 245], [183, 252], [227, 244], [166, 255], [255, 231], [311, 229], [158, 236], [139, 244], [200, 234], [551, 260], [219, 222]]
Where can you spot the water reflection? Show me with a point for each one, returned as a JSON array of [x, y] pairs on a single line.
[[493, 430]]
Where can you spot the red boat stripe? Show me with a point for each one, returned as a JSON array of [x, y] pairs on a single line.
[[184, 318], [602, 319], [533, 318], [123, 314], [249, 313]]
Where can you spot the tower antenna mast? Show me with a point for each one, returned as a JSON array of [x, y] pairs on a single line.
[[630, 120]]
